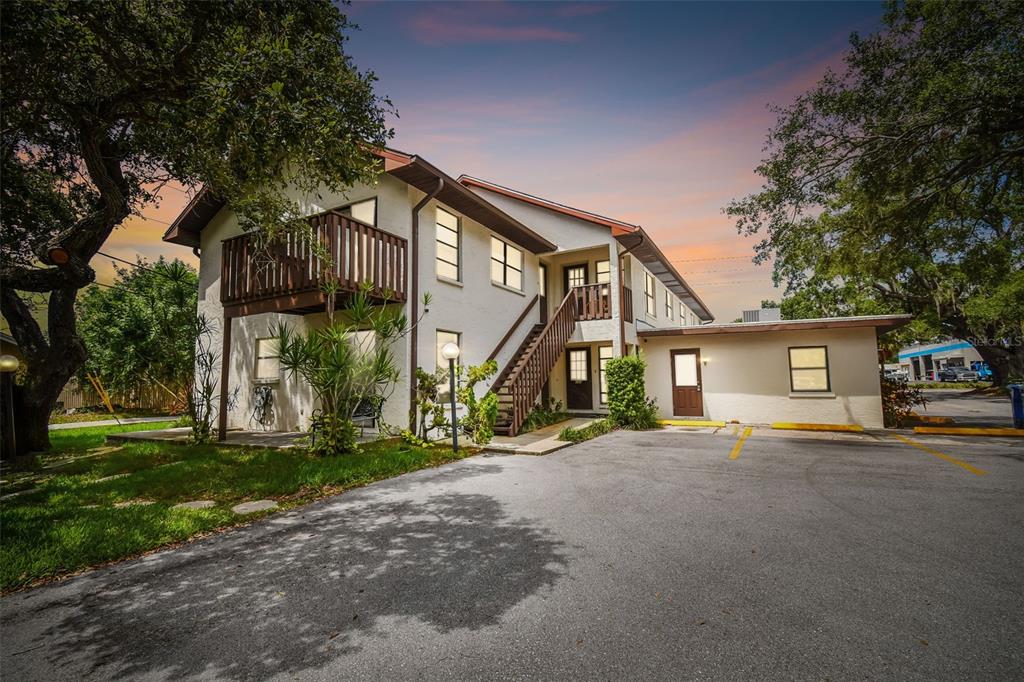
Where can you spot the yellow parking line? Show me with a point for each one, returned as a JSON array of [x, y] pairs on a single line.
[[704, 423], [941, 455], [970, 431], [739, 443]]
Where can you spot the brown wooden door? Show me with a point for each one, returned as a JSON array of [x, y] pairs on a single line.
[[579, 391], [687, 399]]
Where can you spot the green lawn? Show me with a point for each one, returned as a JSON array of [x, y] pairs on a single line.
[[70, 521], [103, 415]]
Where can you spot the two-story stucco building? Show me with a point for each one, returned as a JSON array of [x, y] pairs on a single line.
[[548, 291]]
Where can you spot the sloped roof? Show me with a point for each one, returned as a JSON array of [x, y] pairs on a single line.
[[411, 169], [630, 236]]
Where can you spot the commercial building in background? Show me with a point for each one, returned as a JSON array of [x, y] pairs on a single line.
[[922, 361]]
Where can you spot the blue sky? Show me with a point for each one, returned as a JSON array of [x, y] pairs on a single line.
[[654, 113]]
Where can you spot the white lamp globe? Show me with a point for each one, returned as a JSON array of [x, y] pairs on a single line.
[[449, 351]]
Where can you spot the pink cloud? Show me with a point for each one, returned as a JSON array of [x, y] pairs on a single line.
[[446, 28], [485, 23], [582, 9]]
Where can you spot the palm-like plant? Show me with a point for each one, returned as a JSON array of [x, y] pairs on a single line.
[[345, 370]]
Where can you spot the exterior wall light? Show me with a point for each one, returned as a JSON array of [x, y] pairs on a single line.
[[8, 365], [450, 352]]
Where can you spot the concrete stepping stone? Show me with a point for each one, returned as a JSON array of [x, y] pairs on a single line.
[[255, 506], [109, 478], [195, 504], [18, 493], [133, 503]]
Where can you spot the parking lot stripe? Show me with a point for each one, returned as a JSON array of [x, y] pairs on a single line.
[[739, 443], [941, 455]]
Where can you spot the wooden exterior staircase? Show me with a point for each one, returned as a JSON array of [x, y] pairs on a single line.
[[521, 381]]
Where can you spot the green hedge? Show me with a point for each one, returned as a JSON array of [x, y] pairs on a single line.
[[591, 430], [628, 403]]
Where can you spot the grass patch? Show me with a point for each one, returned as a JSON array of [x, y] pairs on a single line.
[[69, 521], [72, 441], [591, 430], [99, 416]]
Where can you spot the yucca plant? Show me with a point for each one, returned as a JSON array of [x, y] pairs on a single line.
[[345, 375]]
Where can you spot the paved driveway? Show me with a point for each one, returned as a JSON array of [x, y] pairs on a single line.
[[648, 555], [969, 408]]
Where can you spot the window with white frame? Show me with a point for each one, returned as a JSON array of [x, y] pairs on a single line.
[[603, 269], [668, 304], [683, 319], [268, 362], [578, 364], [506, 264], [604, 354], [808, 369], [363, 211], [449, 264], [649, 294]]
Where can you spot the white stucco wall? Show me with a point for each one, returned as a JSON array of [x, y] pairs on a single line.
[[745, 376], [481, 311], [579, 242], [635, 272]]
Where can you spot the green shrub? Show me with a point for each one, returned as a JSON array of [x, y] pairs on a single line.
[[481, 414], [898, 401], [628, 403], [544, 415], [592, 430]]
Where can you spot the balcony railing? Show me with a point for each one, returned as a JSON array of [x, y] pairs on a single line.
[[593, 302], [290, 274]]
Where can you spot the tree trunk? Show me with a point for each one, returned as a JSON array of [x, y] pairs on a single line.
[[1005, 363], [50, 363]]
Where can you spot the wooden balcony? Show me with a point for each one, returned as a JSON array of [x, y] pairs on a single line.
[[289, 276], [593, 302]]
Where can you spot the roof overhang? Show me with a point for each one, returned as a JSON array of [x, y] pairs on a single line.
[[422, 175], [470, 181], [643, 248], [409, 168], [631, 236], [194, 217], [881, 323]]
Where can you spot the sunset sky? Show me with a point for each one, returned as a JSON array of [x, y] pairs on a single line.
[[648, 112]]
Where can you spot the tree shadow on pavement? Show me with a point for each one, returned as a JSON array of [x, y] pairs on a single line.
[[295, 597]]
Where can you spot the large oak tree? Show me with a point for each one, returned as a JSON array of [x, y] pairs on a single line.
[[105, 101], [896, 185]]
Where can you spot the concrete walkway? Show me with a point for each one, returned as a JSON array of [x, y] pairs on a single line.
[[540, 442], [111, 422]]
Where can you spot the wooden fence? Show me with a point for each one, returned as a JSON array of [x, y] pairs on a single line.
[[75, 396]]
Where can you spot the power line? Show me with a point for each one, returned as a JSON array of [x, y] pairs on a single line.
[[702, 272], [738, 281], [128, 262], [702, 260]]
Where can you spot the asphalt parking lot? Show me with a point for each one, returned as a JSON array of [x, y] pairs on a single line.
[[655, 555]]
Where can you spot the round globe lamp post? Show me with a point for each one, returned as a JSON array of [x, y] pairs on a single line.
[[8, 366], [450, 352]]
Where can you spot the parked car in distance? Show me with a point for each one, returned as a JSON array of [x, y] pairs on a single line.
[[895, 374], [966, 374], [946, 374]]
